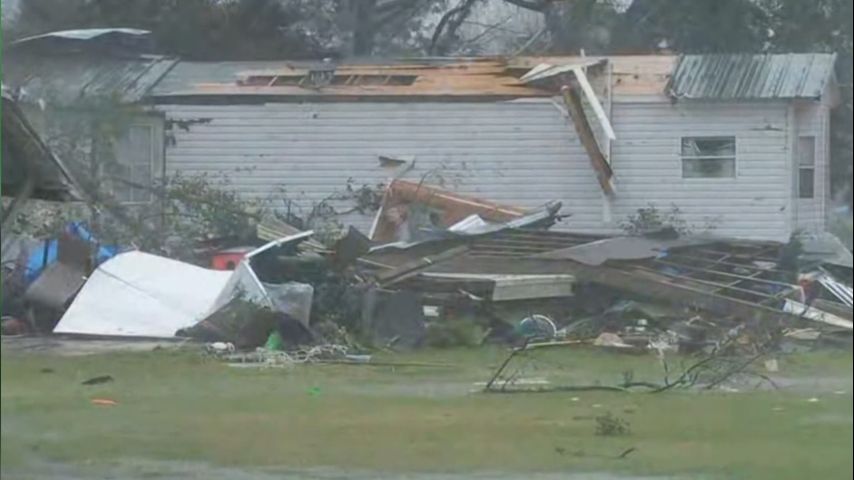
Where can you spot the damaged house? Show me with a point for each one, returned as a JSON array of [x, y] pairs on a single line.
[[737, 143]]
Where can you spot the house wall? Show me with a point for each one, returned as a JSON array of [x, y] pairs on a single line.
[[813, 119], [69, 133], [522, 153], [516, 153], [647, 163]]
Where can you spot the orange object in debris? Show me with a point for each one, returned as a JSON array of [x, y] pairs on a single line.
[[449, 208], [104, 402], [229, 259]]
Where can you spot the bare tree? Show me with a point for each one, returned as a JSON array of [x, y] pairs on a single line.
[[364, 20], [558, 26]]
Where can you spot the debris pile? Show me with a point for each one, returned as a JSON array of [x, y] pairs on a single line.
[[657, 291], [445, 269]]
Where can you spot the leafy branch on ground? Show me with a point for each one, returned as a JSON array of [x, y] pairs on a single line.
[[610, 425], [730, 359]]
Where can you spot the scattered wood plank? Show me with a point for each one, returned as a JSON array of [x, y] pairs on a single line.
[[414, 267]]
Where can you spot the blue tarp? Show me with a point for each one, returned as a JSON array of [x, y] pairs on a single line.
[[46, 254]]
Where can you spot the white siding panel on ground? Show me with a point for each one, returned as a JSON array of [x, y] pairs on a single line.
[[519, 153]]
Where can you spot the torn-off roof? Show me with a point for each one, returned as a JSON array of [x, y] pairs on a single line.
[[85, 34], [130, 79], [102, 40], [761, 77], [418, 77]]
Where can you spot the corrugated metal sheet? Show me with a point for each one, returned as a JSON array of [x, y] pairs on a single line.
[[64, 80], [723, 77], [187, 74]]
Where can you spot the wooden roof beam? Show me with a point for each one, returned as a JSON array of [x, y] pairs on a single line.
[[604, 173]]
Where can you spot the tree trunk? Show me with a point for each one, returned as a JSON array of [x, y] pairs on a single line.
[[358, 25], [573, 27]]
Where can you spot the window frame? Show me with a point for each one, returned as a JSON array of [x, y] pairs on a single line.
[[733, 157], [810, 167], [116, 186]]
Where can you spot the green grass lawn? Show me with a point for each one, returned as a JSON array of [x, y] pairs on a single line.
[[181, 406]]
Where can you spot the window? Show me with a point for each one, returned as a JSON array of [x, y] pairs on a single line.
[[708, 157], [806, 167], [131, 172]]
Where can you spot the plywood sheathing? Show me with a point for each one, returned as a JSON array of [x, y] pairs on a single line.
[[488, 77]]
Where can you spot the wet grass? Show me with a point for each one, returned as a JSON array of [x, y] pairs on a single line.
[[180, 406]]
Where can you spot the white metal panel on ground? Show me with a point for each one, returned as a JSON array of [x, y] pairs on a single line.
[[519, 153], [138, 294]]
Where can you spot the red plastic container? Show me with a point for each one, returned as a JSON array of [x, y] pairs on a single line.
[[229, 258]]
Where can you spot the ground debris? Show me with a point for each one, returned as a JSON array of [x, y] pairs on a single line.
[[273, 358], [610, 425], [470, 273], [97, 380]]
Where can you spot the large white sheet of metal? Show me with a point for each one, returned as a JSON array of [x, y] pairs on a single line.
[[139, 294]]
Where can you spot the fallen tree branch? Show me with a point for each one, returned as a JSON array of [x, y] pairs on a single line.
[[535, 5], [729, 373], [767, 379], [564, 388], [721, 366]]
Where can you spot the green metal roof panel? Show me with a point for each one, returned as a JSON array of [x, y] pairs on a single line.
[[768, 76], [187, 74], [66, 80]]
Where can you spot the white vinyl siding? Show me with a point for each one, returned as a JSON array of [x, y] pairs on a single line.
[[522, 153], [519, 153], [647, 158]]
